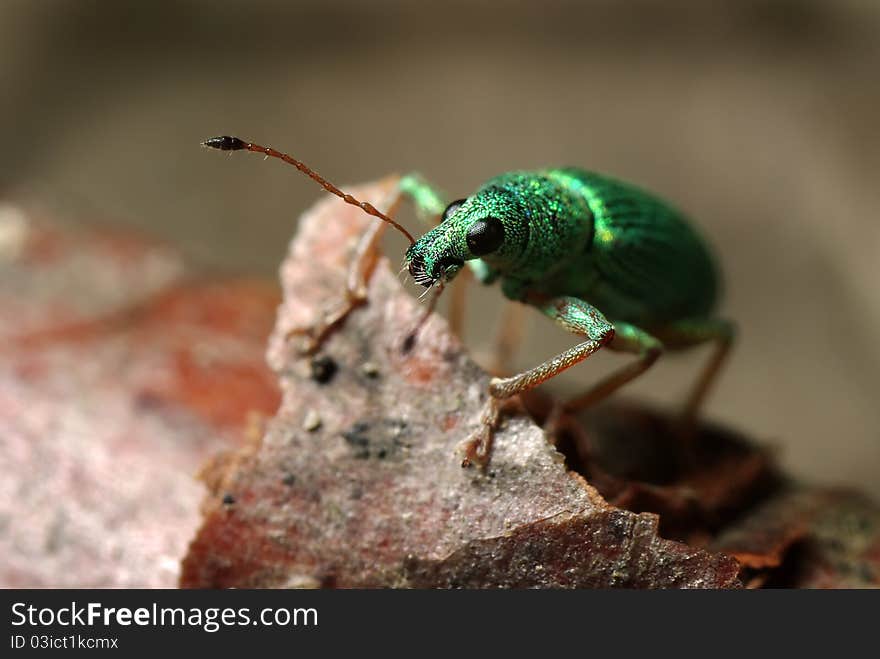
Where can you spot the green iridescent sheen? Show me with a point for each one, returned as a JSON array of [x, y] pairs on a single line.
[[576, 233], [602, 258], [605, 260]]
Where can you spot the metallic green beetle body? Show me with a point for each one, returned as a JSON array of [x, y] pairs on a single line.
[[605, 260], [602, 258], [576, 233]]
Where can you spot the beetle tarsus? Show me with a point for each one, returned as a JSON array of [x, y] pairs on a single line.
[[478, 447]]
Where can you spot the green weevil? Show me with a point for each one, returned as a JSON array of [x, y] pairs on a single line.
[[603, 258]]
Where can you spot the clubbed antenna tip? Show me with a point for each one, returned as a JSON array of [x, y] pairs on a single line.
[[227, 143]]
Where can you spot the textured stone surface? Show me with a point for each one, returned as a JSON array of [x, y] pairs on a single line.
[[808, 538], [122, 371], [375, 494], [119, 375]]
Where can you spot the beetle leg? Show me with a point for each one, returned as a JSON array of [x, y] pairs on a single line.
[[627, 338], [574, 315], [457, 302], [682, 334], [509, 336], [427, 200], [476, 269], [692, 332], [366, 255]]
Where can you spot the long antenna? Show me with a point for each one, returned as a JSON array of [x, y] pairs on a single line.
[[227, 143]]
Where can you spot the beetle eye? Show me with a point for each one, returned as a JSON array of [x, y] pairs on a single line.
[[485, 236], [451, 208]]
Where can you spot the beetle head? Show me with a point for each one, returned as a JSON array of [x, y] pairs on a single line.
[[477, 227]]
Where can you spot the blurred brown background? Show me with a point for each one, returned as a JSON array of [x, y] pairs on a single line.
[[760, 119]]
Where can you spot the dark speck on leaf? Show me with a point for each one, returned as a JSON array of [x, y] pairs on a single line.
[[228, 499], [323, 369]]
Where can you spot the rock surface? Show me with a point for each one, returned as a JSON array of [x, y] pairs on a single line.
[[374, 494], [120, 373], [122, 370]]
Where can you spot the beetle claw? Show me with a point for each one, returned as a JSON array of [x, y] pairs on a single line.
[[478, 446]]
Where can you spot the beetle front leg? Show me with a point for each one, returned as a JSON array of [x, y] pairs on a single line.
[[574, 315], [508, 338], [366, 255], [427, 199]]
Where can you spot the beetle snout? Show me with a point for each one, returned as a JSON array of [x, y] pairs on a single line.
[[419, 272]]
